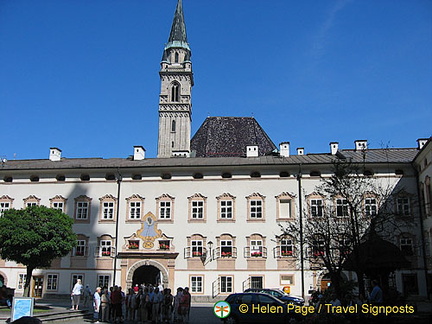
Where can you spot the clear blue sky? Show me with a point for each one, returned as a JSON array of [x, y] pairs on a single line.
[[82, 75]]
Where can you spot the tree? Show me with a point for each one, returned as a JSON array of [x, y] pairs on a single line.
[[347, 205], [34, 237]]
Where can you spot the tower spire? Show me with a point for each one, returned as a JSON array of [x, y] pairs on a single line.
[[178, 29], [175, 105]]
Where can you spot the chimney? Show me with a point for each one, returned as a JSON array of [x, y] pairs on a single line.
[[300, 151], [252, 151], [55, 154], [361, 145], [284, 148], [422, 142], [334, 147], [139, 153]]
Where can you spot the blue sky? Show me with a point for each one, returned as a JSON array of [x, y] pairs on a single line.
[[82, 75]]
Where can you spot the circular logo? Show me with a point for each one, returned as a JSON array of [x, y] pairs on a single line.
[[222, 309]]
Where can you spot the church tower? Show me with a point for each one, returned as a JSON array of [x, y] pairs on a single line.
[[175, 106]]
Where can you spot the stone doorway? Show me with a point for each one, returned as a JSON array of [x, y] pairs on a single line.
[[147, 274]]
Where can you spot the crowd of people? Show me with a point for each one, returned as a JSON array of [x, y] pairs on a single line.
[[140, 304]]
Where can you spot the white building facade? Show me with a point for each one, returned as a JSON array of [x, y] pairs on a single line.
[[209, 223]]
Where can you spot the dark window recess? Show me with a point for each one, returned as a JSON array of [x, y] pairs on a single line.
[[284, 174], [198, 175], [315, 174], [7, 179], [110, 176], [34, 178], [255, 174], [136, 176], [85, 177], [226, 175], [166, 176], [60, 177]]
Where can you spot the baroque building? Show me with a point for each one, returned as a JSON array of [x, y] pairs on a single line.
[[206, 212]]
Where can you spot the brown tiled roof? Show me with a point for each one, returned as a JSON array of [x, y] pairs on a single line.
[[229, 136]]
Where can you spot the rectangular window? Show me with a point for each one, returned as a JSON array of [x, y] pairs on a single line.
[[30, 204], [285, 208], [370, 207], [80, 249], [82, 210], [197, 248], [198, 209], [406, 245], [256, 248], [165, 209], [226, 207], [58, 205], [135, 210], [108, 210], [256, 282], [103, 281], [21, 281], [226, 284], [52, 280], [256, 209], [196, 284], [403, 206], [341, 207], [4, 206], [286, 247], [105, 248], [316, 206], [226, 248]]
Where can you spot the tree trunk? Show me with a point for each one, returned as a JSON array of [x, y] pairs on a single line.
[[28, 282]]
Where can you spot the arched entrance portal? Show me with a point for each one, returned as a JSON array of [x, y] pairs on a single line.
[[147, 274], [147, 271]]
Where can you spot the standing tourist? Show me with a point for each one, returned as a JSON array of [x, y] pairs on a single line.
[[96, 304], [76, 294]]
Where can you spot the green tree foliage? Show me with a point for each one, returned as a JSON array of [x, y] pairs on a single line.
[[34, 237]]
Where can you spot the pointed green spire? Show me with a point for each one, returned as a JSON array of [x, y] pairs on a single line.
[[178, 36]]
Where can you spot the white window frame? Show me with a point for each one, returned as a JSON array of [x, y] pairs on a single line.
[[108, 210], [165, 209], [82, 210], [197, 209], [135, 210], [256, 246], [316, 207], [370, 206], [342, 208], [52, 282], [403, 205], [80, 248], [197, 248], [256, 209], [226, 209], [103, 280], [105, 247], [197, 284], [226, 284]]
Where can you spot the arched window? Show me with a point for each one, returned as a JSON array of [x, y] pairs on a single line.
[[176, 57], [175, 92], [173, 126]]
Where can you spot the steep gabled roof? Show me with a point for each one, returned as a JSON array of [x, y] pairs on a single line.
[[229, 136]]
